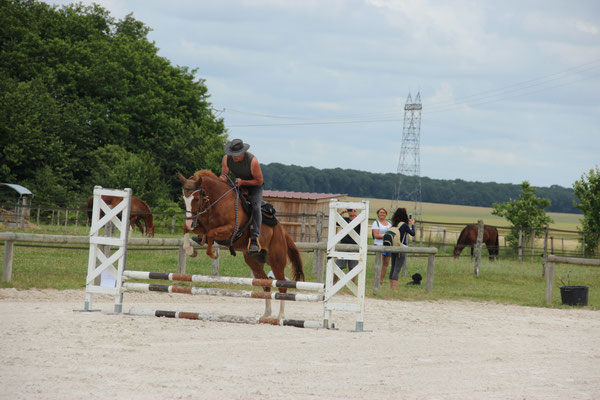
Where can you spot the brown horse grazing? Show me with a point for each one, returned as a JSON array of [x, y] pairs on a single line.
[[211, 212], [468, 237], [140, 211]]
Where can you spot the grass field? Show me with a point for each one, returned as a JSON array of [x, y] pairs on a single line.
[[449, 213], [503, 281]]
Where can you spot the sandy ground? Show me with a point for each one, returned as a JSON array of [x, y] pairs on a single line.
[[412, 350]]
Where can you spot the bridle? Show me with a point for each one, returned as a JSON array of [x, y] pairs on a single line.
[[205, 199]]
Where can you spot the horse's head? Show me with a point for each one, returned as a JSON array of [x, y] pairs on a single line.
[[457, 251], [150, 231], [192, 198]]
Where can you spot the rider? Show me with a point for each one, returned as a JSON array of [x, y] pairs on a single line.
[[247, 174]]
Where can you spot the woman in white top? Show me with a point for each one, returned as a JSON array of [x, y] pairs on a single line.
[[379, 227]]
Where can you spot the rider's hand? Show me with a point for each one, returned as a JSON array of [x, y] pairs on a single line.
[[238, 181]]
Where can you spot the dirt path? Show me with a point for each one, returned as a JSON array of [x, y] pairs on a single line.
[[413, 350]]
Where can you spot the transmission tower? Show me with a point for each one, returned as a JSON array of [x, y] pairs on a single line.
[[408, 187]]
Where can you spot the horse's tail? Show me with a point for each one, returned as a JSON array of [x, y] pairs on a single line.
[[294, 256], [90, 204]]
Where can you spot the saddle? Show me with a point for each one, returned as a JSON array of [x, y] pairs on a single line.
[[268, 218]]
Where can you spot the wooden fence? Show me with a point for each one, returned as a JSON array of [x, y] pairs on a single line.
[[552, 259], [319, 249], [310, 228]]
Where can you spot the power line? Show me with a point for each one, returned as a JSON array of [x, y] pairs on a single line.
[[518, 89]]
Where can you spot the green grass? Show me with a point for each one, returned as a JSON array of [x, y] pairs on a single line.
[[503, 281]]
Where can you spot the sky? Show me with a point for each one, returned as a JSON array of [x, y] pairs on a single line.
[[510, 90]]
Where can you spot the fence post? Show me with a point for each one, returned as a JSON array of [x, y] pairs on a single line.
[[318, 255], [520, 245], [549, 282], [444, 242], [430, 263], [38, 217], [551, 244], [532, 244], [545, 255], [582, 244], [478, 246], [66, 217], [173, 226], [181, 260], [377, 271], [421, 234], [7, 266], [76, 219]]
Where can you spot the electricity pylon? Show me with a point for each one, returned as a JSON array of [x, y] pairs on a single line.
[[408, 187]]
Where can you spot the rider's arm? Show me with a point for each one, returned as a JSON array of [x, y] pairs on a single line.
[[256, 174], [224, 169]]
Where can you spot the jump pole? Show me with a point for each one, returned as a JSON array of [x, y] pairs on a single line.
[[225, 318], [312, 286], [195, 290]]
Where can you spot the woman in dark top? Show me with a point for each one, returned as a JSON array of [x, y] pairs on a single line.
[[406, 227]]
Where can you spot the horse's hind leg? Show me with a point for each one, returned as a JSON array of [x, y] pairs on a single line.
[[278, 267], [258, 271]]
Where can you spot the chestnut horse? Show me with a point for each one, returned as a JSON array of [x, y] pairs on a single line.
[[214, 210], [140, 211], [468, 237]]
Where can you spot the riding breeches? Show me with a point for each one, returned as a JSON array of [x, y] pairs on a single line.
[[255, 194]]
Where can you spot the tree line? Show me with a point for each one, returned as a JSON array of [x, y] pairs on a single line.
[[383, 186]]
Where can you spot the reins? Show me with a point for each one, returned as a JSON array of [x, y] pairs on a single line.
[[205, 196]]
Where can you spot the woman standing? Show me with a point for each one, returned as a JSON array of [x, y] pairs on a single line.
[[398, 259], [379, 227]]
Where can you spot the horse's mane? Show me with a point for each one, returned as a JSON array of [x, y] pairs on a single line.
[[204, 172]]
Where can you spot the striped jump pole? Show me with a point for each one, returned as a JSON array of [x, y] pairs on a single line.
[[226, 318], [312, 286], [150, 287]]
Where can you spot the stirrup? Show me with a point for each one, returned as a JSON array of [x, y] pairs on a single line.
[[254, 247]]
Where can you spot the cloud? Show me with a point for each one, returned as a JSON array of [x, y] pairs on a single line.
[[586, 27]]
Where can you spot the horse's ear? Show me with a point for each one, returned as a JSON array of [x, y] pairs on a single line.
[[182, 178]]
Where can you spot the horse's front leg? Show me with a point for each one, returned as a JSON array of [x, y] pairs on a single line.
[[189, 250], [219, 233]]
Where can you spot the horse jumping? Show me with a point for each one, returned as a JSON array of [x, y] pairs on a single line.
[[140, 211], [214, 211], [468, 237]]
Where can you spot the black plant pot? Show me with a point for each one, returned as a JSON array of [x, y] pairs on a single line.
[[574, 295]]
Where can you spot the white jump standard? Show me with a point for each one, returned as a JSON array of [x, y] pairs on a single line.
[[325, 291]]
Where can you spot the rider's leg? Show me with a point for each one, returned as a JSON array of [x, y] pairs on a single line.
[[255, 197]]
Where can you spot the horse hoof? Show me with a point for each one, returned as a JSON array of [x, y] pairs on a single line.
[[192, 253]]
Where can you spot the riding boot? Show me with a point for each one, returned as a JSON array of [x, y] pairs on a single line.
[[197, 239], [393, 284]]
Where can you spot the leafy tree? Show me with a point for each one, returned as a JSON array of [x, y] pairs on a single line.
[[74, 80], [527, 213], [117, 168], [587, 190]]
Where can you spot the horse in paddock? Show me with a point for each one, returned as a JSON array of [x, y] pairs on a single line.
[[468, 237], [140, 211], [215, 210]]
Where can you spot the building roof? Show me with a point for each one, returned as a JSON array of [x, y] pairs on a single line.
[[20, 189], [300, 195]]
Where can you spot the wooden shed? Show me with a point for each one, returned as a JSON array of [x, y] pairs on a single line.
[[298, 212]]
